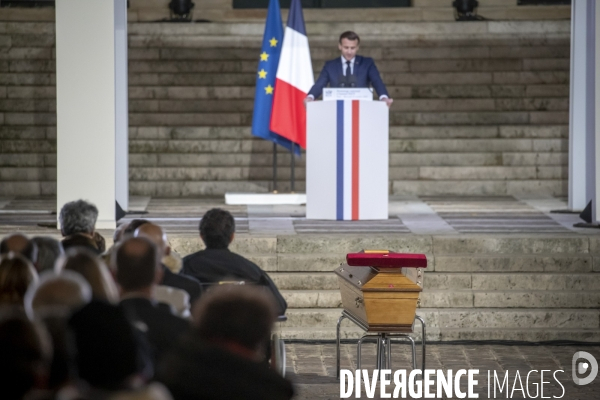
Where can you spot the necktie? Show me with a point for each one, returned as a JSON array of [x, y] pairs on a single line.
[[348, 69]]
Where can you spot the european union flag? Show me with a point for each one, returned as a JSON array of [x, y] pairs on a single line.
[[265, 79]]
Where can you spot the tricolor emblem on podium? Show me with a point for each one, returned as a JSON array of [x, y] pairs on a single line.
[[347, 162]]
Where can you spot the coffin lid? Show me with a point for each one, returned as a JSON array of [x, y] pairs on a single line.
[[386, 259]]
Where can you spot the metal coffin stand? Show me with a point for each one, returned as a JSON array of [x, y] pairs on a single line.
[[380, 294]]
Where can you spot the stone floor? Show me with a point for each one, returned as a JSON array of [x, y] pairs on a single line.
[[407, 214], [312, 367]]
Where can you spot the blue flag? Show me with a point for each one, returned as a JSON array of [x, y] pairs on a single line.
[[265, 78]]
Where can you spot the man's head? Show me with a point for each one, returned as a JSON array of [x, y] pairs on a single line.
[[238, 318], [17, 274], [156, 235], [108, 350], [49, 250], [67, 291], [217, 228], [20, 244], [78, 217], [348, 44], [137, 264]]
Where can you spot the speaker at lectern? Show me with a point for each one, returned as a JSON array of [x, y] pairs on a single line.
[[347, 158]]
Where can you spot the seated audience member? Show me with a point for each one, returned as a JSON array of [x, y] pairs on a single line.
[[67, 291], [80, 241], [79, 217], [110, 356], [216, 263], [158, 236], [24, 352], [93, 270], [221, 358], [20, 244], [49, 249], [138, 271], [17, 274]]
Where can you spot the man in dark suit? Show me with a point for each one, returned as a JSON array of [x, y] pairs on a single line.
[[216, 263], [138, 271], [350, 70]]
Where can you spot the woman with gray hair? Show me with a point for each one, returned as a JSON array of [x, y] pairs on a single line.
[[78, 218]]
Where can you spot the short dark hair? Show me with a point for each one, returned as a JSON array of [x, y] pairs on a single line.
[[240, 314], [216, 228], [78, 217], [20, 244], [49, 249], [108, 350], [350, 35], [136, 261], [132, 226]]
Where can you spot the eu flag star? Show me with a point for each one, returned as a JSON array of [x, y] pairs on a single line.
[[269, 89], [262, 74], [264, 56], [273, 42]]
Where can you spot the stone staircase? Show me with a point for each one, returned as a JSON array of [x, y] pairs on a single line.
[[495, 287], [480, 108]]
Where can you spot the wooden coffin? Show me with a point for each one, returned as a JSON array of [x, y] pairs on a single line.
[[382, 297]]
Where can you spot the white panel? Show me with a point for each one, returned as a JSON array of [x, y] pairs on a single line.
[[347, 159], [374, 160], [295, 67], [85, 87], [577, 109], [121, 106], [321, 160]]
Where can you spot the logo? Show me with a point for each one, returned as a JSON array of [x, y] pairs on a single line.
[[580, 367]]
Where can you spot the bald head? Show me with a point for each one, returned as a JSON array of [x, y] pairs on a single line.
[[156, 235], [19, 244], [137, 264]]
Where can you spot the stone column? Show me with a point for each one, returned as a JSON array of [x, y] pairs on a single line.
[[578, 99], [91, 91]]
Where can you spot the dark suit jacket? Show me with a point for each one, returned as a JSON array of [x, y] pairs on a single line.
[[214, 265], [365, 71], [193, 370], [161, 328], [187, 283]]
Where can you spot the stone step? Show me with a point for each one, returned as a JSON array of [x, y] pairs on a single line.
[[459, 281], [250, 66], [200, 49], [431, 298], [390, 78], [198, 92], [255, 145], [249, 160], [245, 119], [462, 318], [396, 132], [203, 188], [552, 187], [514, 263], [240, 106], [447, 334], [476, 262], [371, 41]]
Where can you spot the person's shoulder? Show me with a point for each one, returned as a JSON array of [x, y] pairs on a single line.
[[365, 60]]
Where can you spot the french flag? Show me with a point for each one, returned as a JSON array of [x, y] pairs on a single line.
[[294, 80]]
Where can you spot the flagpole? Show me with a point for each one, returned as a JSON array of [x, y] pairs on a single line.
[[274, 167], [293, 167]]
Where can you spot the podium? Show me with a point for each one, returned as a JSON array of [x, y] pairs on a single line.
[[347, 160]]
